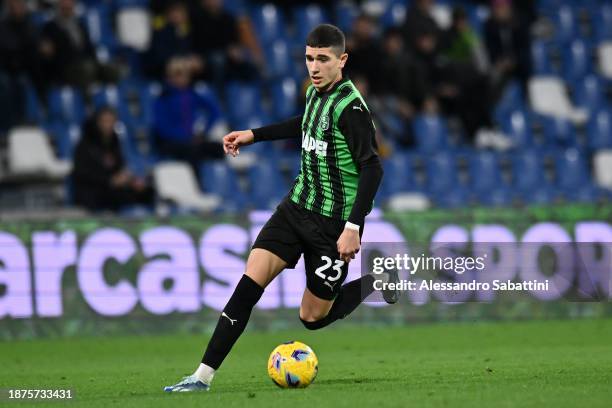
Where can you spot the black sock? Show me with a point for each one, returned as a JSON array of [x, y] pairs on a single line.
[[232, 322], [350, 296]]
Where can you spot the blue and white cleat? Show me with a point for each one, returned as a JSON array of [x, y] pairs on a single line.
[[188, 384]]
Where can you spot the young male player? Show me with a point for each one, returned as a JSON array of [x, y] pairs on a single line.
[[322, 217]]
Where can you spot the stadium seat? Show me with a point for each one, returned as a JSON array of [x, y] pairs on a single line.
[[565, 24], [559, 131], [431, 133], [244, 100], [33, 109], [409, 202], [570, 169], [217, 177], [134, 27], [65, 137], [542, 195], [548, 96], [269, 23], [176, 182], [602, 168], [399, 175], [394, 15], [527, 170], [453, 197], [279, 59], [511, 100], [588, 93], [66, 104], [441, 172], [346, 12], [604, 56], [540, 58], [305, 19], [517, 126], [30, 155], [485, 172], [577, 60], [285, 97], [266, 195], [600, 130], [495, 197], [602, 22], [99, 25]]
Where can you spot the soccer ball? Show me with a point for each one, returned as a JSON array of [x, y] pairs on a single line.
[[293, 365]]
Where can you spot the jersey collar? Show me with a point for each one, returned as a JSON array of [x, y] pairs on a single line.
[[343, 80]]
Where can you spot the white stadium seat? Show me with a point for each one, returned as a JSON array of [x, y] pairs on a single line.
[[134, 27], [409, 202], [548, 96], [176, 182], [604, 53], [602, 163], [31, 154]]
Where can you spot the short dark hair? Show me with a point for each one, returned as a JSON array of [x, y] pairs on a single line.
[[326, 35]]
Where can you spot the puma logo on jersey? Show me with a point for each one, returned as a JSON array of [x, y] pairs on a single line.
[[310, 143], [229, 318], [331, 285], [357, 107]]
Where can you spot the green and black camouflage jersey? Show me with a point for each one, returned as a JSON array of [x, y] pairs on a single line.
[[340, 170]]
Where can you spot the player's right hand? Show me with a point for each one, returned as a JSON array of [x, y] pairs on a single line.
[[232, 141]]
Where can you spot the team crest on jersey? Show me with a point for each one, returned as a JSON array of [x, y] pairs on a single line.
[[324, 124]]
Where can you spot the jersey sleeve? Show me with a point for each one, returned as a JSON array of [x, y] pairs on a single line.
[[289, 129], [355, 123]]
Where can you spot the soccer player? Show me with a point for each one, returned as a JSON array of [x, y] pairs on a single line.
[[322, 217]]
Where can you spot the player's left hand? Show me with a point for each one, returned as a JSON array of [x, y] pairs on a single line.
[[348, 244]]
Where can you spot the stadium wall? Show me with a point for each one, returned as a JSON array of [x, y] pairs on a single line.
[[111, 275]]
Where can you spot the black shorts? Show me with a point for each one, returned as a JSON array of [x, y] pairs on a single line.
[[293, 231]]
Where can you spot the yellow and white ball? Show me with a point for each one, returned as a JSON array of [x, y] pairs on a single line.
[[293, 365]]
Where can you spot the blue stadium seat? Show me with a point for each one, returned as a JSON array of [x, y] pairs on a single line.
[[511, 100], [542, 195], [399, 175], [305, 19], [540, 58], [431, 133], [600, 130], [345, 14], [441, 172], [566, 27], [485, 172], [33, 110], [266, 195], [243, 99], [65, 137], [455, 197], [527, 170], [559, 131], [66, 104], [279, 59], [577, 60], [98, 20], [269, 23], [588, 93], [602, 22], [571, 169], [495, 197], [285, 97], [218, 178], [517, 125], [587, 193], [394, 15]]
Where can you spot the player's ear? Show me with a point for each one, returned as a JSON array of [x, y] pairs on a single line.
[[343, 58]]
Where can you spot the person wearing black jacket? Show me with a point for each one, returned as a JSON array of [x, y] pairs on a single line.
[[101, 180]]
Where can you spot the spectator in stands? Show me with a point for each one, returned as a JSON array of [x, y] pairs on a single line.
[[364, 51], [101, 179], [179, 131], [67, 54], [18, 39], [218, 42], [508, 44], [174, 38], [419, 20], [461, 44]]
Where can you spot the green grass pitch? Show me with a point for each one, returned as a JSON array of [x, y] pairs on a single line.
[[524, 364]]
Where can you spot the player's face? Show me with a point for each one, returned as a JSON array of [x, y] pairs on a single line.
[[324, 66]]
